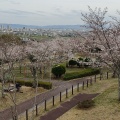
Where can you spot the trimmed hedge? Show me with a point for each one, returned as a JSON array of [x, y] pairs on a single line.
[[46, 85], [82, 73], [58, 70]]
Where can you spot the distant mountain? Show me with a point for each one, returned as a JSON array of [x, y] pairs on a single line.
[[75, 27], [18, 25], [62, 27]]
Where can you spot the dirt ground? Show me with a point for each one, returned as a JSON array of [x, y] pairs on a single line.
[[24, 94]]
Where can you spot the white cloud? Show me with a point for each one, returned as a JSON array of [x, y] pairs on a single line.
[[48, 12]]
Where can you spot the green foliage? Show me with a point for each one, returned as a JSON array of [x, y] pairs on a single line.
[[87, 59], [82, 73], [80, 59], [72, 62], [46, 85], [78, 64], [58, 70], [86, 104]]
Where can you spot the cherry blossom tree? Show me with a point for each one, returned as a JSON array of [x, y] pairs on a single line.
[[9, 54], [104, 32]]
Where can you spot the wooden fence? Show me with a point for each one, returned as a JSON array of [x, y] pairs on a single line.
[[74, 88]]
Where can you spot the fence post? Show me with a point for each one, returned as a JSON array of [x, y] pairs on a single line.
[[95, 78], [60, 96], [53, 100], [45, 105], [83, 85], [26, 114], [36, 109], [91, 81], [15, 118], [107, 75], [72, 89], [78, 87], [87, 83], [66, 93]]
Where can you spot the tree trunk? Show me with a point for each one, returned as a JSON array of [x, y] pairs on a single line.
[[2, 80], [20, 68], [114, 75], [119, 87], [40, 69], [3, 95]]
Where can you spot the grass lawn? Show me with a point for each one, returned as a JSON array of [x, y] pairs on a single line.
[[107, 106], [26, 73]]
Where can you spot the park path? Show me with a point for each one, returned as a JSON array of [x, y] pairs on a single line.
[[64, 107], [22, 107]]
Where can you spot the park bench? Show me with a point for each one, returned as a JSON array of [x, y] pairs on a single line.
[[10, 88]]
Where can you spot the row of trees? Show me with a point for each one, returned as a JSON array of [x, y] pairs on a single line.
[[101, 33], [13, 52], [40, 54]]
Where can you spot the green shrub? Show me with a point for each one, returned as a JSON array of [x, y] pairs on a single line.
[[78, 64], [86, 104], [87, 59], [82, 73], [58, 70], [72, 62], [46, 85], [80, 59]]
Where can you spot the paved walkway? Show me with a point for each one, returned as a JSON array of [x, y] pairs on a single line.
[[56, 113], [22, 107]]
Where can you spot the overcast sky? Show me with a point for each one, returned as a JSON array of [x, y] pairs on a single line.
[[50, 12]]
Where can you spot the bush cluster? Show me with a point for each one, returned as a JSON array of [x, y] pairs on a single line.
[[87, 59], [86, 104], [46, 85], [72, 62], [82, 73], [77, 62]]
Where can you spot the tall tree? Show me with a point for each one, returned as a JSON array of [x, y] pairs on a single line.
[[10, 52], [104, 32]]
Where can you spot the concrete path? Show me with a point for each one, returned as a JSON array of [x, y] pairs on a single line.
[[56, 113], [22, 107]]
